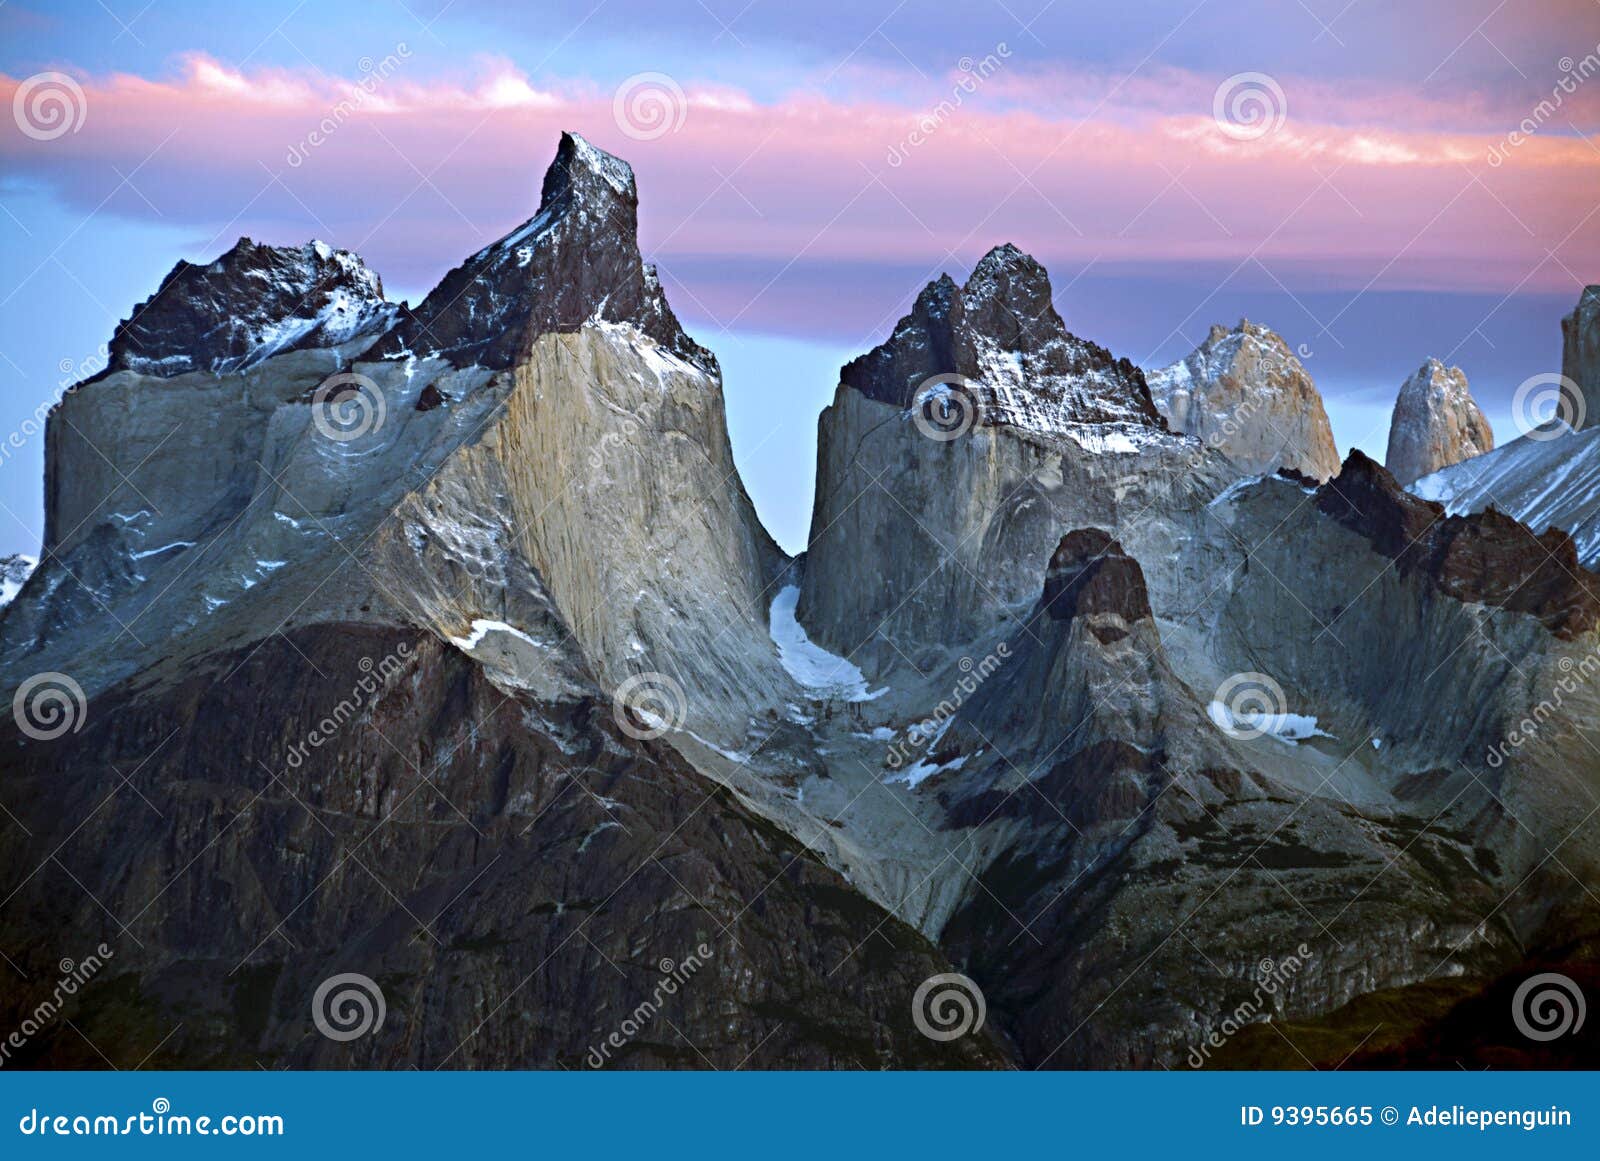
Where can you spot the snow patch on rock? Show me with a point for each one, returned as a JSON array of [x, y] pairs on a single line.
[[14, 573], [482, 627], [1285, 727], [820, 673], [1547, 479], [918, 773]]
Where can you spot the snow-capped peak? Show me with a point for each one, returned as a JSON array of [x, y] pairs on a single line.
[[1246, 393], [574, 261], [251, 303], [1000, 332]]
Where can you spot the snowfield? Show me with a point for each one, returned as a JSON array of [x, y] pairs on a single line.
[[820, 673]]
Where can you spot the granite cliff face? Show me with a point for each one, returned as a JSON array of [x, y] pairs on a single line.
[[1580, 353], [954, 450], [1436, 423], [443, 646], [1245, 393], [372, 481]]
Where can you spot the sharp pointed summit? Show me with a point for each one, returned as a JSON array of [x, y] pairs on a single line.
[[576, 260]]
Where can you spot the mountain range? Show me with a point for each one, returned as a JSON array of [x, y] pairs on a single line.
[[442, 646]]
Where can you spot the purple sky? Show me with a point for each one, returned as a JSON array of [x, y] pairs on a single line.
[[1344, 172]]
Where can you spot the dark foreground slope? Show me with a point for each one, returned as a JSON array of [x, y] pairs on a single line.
[[518, 878]]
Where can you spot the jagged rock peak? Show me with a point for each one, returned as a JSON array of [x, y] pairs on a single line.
[[1008, 295], [1002, 331], [1436, 423], [253, 302], [1484, 558], [575, 261], [582, 172], [1244, 392], [1580, 352]]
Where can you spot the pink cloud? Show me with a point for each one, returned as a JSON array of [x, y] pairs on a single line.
[[418, 174]]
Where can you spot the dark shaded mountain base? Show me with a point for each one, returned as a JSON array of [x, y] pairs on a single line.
[[1443, 1024], [512, 874]]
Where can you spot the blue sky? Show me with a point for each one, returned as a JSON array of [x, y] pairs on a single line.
[[1367, 227]]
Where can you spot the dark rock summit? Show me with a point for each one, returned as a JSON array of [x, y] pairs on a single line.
[[1086, 667], [1090, 573], [253, 302], [1486, 558], [574, 261], [1001, 330]]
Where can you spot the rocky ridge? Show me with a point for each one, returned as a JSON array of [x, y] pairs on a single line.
[[252, 303], [1549, 478], [1000, 331]]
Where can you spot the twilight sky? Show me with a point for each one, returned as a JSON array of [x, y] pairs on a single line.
[[1342, 170]]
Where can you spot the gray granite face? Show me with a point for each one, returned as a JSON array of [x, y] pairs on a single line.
[[1246, 394], [1436, 423], [1580, 352]]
